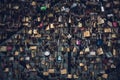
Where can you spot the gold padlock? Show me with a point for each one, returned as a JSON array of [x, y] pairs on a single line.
[[100, 51], [47, 28], [52, 26], [45, 73], [68, 49], [63, 71], [69, 76], [50, 15], [74, 49], [33, 3], [107, 30], [105, 76], [86, 34], [51, 70], [81, 64]]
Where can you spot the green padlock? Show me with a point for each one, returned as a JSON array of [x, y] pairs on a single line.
[[43, 8]]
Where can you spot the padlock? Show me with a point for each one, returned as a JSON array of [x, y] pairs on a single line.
[[35, 31], [43, 8], [60, 19], [92, 53], [105, 76], [81, 64], [47, 28], [107, 30], [109, 54], [81, 53], [75, 76], [86, 34], [107, 5], [63, 71], [68, 49], [27, 58], [69, 76], [100, 51], [26, 19], [16, 7], [80, 24], [51, 70], [45, 73], [74, 50], [33, 3], [6, 70], [113, 36], [114, 52], [50, 15], [87, 49], [33, 47], [100, 20], [28, 66], [109, 23], [9, 48], [117, 2], [16, 53], [3, 48], [11, 58], [52, 26]]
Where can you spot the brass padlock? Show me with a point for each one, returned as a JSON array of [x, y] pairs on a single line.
[[107, 30], [105, 76], [50, 15], [51, 70], [81, 64], [33, 47], [74, 50], [52, 25], [47, 28], [45, 73], [33, 3], [16, 53], [3, 48], [69, 76], [86, 34], [100, 51], [63, 71], [68, 49], [87, 49]]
